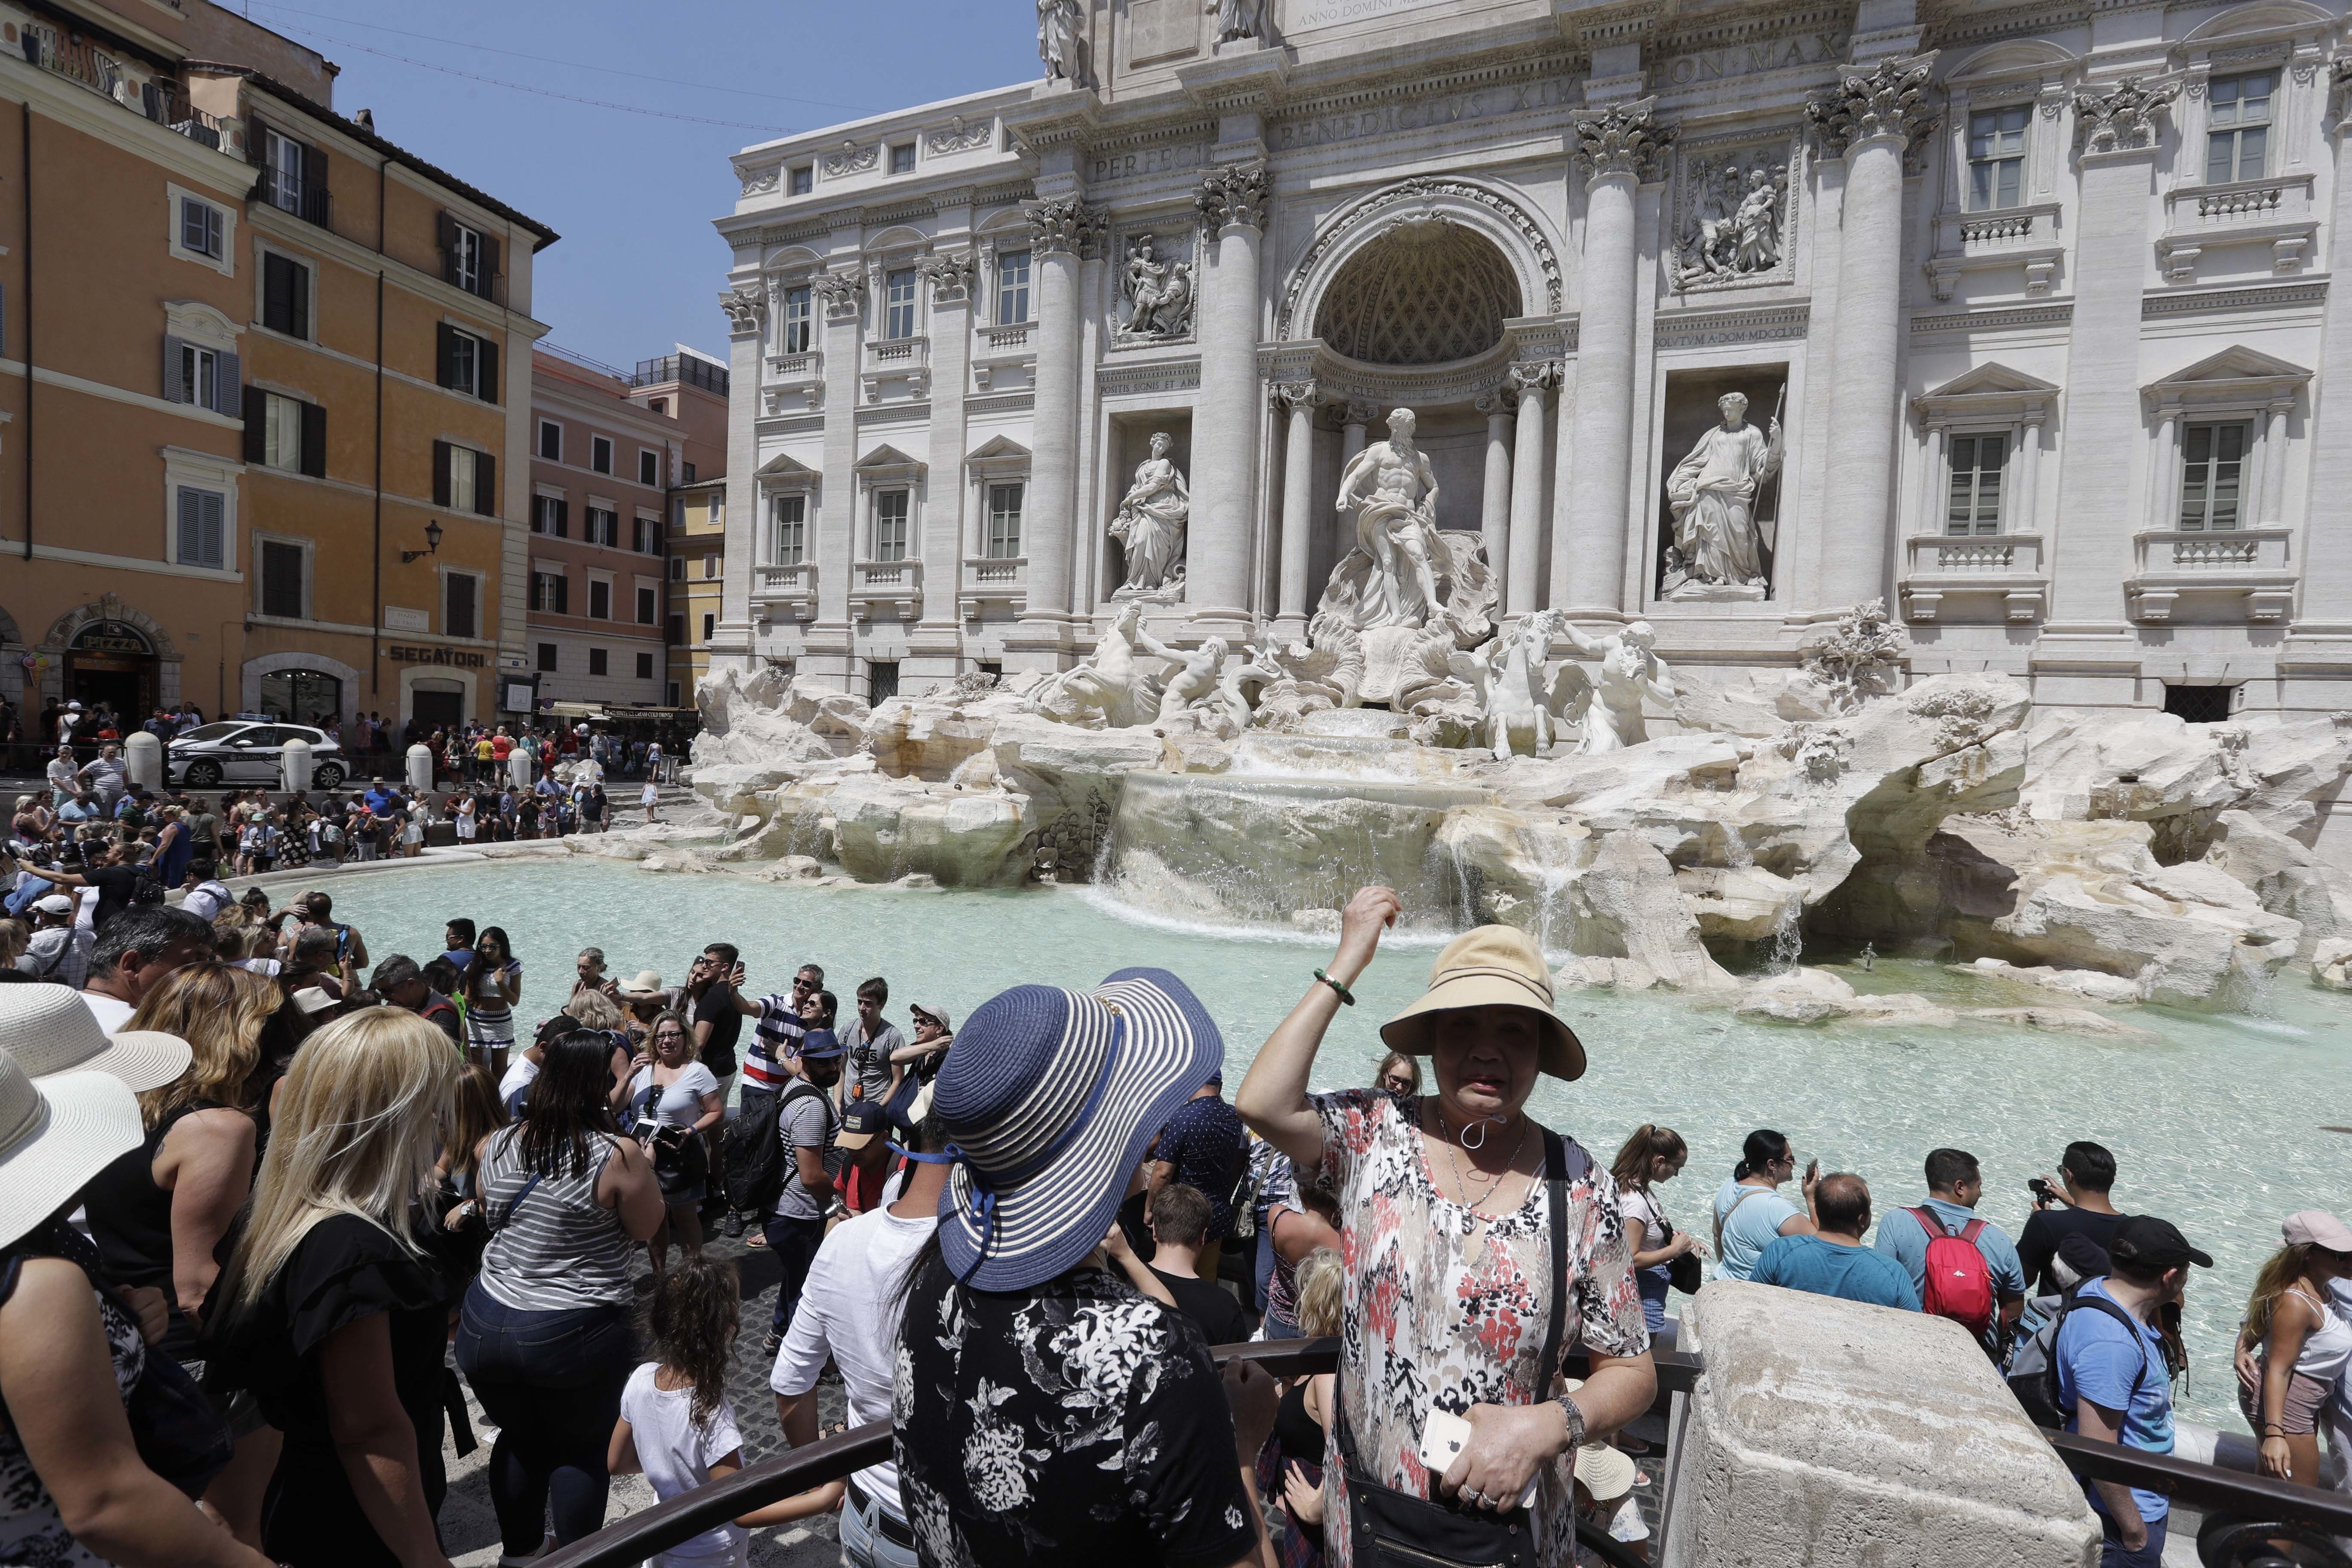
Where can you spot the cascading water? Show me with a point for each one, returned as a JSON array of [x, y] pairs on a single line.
[[1788, 936]]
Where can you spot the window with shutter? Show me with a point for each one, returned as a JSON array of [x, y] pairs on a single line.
[[314, 439], [486, 371], [645, 610], [486, 484], [675, 631], [550, 441], [600, 455], [709, 625], [648, 466], [281, 580], [547, 658], [457, 606], [231, 386], [563, 519], [176, 375], [286, 296], [599, 600], [442, 466], [202, 514], [644, 667]]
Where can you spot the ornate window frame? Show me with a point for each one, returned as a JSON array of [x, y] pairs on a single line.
[[2252, 561], [2041, 75], [2280, 209]]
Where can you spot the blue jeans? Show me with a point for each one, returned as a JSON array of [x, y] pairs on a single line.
[[862, 1544], [552, 1381], [794, 1243], [2114, 1555], [1651, 1284]]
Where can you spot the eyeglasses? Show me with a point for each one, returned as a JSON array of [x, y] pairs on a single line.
[[1398, 1082]]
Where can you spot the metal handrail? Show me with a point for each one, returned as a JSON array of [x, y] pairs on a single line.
[[2206, 1487], [688, 1514]]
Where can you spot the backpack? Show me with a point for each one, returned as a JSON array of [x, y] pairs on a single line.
[[751, 1152], [2033, 1374], [1957, 1282]]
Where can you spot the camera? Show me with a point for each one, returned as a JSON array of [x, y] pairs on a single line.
[[2044, 1194]]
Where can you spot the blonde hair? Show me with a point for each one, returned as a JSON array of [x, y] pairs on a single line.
[[15, 936], [220, 1011], [2278, 1272], [594, 1010], [356, 1130], [1316, 1290]]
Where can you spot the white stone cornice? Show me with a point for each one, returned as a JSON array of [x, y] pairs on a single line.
[[1888, 99], [1622, 140]]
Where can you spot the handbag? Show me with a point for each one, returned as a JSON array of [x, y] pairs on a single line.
[[1684, 1273], [1391, 1529]]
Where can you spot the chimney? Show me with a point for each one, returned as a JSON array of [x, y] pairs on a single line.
[[366, 118]]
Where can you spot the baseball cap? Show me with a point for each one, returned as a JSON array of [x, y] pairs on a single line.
[[936, 1014], [864, 1122], [54, 904], [2316, 1228], [2148, 1243]]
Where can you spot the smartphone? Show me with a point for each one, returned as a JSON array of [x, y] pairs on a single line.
[[1443, 1436]]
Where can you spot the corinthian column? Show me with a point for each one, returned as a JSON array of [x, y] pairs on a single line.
[[944, 530], [1495, 500], [1618, 149], [2327, 608], [1059, 231], [1225, 423], [1297, 502], [1528, 486], [1867, 118]]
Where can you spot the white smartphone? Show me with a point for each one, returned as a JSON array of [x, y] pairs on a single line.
[[1443, 1436]]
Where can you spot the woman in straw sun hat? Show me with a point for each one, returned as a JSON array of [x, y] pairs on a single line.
[[73, 1490], [1461, 1213]]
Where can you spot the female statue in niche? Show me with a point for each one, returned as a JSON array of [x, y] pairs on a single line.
[[1712, 494], [1150, 524]]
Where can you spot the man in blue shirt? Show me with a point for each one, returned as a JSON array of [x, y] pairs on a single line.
[[1201, 1146], [2116, 1383], [1954, 1185], [1832, 1261]]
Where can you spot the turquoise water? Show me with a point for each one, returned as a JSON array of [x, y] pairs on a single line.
[[2218, 1126]]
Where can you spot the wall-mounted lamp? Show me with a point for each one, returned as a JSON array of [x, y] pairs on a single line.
[[432, 544]]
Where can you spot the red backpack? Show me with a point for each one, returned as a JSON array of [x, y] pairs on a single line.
[[1957, 1283]]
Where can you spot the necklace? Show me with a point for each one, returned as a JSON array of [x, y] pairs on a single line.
[[1472, 1196]]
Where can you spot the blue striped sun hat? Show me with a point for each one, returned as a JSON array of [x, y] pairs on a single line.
[[1048, 1100]]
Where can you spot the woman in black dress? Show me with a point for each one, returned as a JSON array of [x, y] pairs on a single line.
[[335, 1316]]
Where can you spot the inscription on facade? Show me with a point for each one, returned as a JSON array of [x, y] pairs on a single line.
[[1331, 13], [1423, 113], [1747, 59], [1145, 160]]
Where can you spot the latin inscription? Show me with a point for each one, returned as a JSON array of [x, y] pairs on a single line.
[[1331, 13], [1747, 59], [1146, 161], [1422, 113]]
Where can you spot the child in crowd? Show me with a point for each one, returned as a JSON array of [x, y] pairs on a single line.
[[677, 1424]]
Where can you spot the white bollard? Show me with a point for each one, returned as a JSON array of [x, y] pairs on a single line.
[[294, 765], [420, 768], [519, 768], [142, 759]]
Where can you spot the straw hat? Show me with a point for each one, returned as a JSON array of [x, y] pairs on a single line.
[[647, 979], [49, 1029], [1492, 966], [1603, 1467], [54, 1136]]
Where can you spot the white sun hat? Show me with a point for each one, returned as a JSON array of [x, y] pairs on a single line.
[[49, 1029], [54, 1136]]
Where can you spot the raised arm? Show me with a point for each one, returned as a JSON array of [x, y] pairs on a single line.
[[1272, 1097]]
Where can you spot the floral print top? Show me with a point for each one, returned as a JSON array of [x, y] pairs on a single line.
[[31, 1530], [1078, 1421], [1443, 1307]]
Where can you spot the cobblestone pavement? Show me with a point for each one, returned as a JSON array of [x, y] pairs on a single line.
[[469, 1531]]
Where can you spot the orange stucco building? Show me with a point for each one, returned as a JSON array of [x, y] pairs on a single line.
[[264, 382]]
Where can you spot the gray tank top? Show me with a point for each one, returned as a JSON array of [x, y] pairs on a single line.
[[558, 1250]]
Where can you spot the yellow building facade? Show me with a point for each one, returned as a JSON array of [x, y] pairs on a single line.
[[698, 558]]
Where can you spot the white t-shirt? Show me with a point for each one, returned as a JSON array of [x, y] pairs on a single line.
[[112, 1014], [849, 1309], [646, 795], [680, 1104], [1639, 1208], [206, 900], [520, 1072], [677, 1454]]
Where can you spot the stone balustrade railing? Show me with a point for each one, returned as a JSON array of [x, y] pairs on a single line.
[[2251, 564]]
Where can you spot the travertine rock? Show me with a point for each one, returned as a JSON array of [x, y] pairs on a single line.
[[1625, 905], [2287, 878], [2158, 768], [885, 829], [752, 720], [2091, 984], [1797, 996]]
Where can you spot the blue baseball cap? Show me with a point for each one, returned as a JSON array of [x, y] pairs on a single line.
[[820, 1044]]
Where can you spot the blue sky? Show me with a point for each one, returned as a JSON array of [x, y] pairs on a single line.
[[639, 267]]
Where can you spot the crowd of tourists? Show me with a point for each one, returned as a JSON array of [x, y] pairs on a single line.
[[270, 1206]]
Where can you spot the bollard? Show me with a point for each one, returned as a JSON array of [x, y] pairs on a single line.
[[519, 768], [420, 768], [142, 759], [294, 765]]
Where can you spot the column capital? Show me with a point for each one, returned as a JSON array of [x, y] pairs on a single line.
[[949, 276], [844, 292], [1068, 224], [2124, 118], [746, 310], [1888, 99], [1290, 396], [1621, 140], [1234, 196], [1360, 414], [1536, 376], [1495, 404]]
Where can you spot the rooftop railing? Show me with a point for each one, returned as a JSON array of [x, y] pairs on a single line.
[[691, 369], [79, 61]]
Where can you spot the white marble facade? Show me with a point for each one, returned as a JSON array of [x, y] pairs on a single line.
[[2040, 296]]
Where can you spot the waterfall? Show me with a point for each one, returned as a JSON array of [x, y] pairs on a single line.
[[1788, 935]]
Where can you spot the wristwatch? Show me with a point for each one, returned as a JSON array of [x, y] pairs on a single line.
[[1575, 1421]]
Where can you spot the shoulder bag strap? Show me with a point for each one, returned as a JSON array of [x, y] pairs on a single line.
[[1556, 1181], [1724, 1217], [507, 1214], [1928, 1222]]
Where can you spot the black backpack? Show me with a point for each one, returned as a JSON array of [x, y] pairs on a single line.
[[2033, 1369], [752, 1151]]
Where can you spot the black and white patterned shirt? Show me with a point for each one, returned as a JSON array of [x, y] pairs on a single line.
[[1079, 1421]]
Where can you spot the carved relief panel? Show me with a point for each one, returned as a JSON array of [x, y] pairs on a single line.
[[1736, 210], [1158, 285]]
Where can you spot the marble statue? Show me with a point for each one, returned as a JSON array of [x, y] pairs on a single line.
[[1396, 527], [1718, 539], [1111, 683], [1324, 672], [1159, 294], [1630, 672], [1509, 674], [1259, 665], [1149, 526], [1240, 20], [1195, 679], [1061, 40]]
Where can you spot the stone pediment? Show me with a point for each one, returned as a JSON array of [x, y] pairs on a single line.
[[1992, 378], [1994, 390], [785, 466], [886, 464], [998, 448], [2236, 364]]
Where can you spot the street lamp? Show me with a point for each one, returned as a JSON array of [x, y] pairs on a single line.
[[432, 544]]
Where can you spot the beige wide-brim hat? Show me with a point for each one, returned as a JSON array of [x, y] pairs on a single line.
[[647, 979], [49, 1029], [1602, 1468], [54, 1136], [1492, 966]]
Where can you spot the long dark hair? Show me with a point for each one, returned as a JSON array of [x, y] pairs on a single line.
[[479, 967], [567, 1105], [691, 1326], [1649, 1144], [1764, 1147]]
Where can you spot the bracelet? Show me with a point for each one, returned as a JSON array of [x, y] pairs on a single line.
[[1575, 1421], [1347, 997]]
